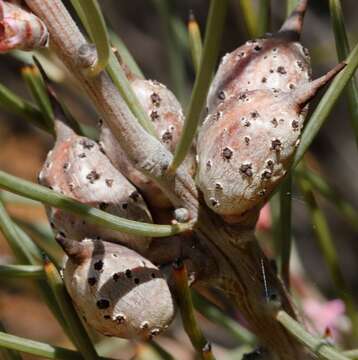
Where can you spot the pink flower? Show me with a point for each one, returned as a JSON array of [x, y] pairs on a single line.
[[264, 221], [20, 29], [325, 317]]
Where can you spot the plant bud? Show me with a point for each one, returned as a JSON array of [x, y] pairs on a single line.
[[276, 62], [166, 113], [20, 29], [246, 146], [119, 292]]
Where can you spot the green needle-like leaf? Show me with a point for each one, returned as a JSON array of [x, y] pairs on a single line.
[[214, 29], [125, 54], [174, 52], [317, 346], [91, 14], [118, 76], [9, 101], [343, 50], [326, 105], [22, 271], [38, 348], [92, 215], [8, 354], [186, 307], [75, 326], [37, 88], [219, 317], [250, 17], [320, 185], [195, 42]]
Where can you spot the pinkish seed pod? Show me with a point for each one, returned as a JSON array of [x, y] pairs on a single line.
[[276, 62], [166, 113], [246, 147], [76, 167], [119, 292], [20, 29]]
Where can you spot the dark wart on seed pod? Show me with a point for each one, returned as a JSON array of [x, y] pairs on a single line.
[[245, 148], [119, 292], [167, 117], [76, 167], [277, 61]]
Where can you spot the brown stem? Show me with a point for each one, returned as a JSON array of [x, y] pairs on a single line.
[[234, 250]]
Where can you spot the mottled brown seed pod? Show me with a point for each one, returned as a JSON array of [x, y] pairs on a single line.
[[77, 168], [167, 116], [278, 61], [20, 29], [118, 292], [246, 146]]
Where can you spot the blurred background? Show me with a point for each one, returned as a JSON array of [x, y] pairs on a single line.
[[155, 33]]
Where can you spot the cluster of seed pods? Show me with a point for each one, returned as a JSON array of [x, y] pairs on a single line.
[[256, 111], [117, 290], [19, 28], [166, 114]]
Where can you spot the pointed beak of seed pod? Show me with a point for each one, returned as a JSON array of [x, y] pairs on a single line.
[[75, 250], [303, 94], [292, 27]]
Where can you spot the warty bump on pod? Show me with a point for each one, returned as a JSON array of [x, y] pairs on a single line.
[[117, 291]]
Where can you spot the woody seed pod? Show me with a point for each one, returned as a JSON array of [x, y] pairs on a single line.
[[167, 116], [118, 292], [77, 168], [245, 148], [20, 29]]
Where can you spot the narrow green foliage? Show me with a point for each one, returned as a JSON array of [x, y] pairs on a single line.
[[186, 307], [213, 33], [125, 55], [264, 17], [119, 77], [250, 17], [24, 251], [37, 348], [175, 54], [343, 50], [21, 271], [329, 251], [42, 236], [195, 41], [96, 27], [351, 354], [326, 104], [285, 231], [320, 185], [8, 354], [92, 215], [75, 326], [120, 80], [38, 91], [10, 232], [217, 316], [317, 346], [9, 101]]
